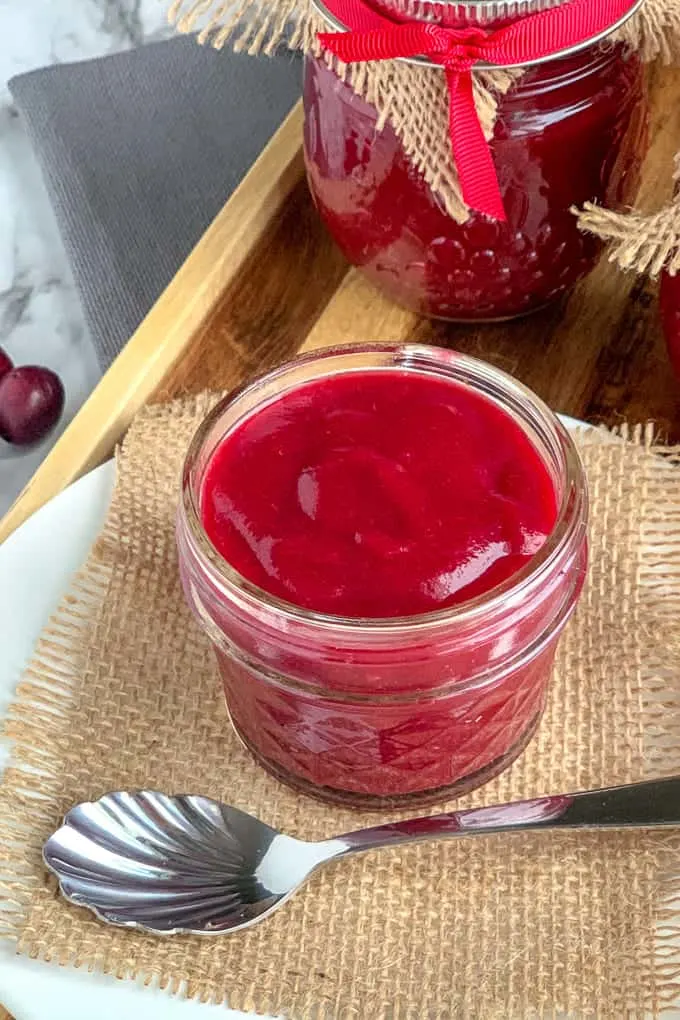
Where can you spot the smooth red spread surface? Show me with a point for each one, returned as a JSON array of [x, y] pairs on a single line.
[[377, 493]]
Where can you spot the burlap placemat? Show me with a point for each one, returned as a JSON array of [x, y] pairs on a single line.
[[123, 692]]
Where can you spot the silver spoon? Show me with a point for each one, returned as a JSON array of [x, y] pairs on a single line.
[[190, 864]]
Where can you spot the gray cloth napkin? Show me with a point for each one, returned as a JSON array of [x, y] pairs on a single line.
[[140, 151]]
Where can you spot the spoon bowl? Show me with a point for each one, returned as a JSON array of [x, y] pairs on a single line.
[[174, 864]]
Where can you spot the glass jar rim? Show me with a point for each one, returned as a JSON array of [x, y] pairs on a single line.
[[338, 26], [570, 515]]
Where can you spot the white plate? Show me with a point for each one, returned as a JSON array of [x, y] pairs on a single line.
[[36, 564]]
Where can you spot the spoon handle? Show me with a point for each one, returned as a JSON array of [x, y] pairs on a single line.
[[639, 805]]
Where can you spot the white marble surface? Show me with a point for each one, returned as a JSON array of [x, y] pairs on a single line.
[[40, 317]]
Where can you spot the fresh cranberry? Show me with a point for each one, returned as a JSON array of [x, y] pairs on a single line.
[[5, 363], [31, 401]]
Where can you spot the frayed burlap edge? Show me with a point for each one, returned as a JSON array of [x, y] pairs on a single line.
[[643, 242], [34, 722], [32, 726], [412, 99], [653, 31]]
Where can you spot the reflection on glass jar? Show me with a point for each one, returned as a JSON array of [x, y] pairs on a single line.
[[394, 709], [572, 130]]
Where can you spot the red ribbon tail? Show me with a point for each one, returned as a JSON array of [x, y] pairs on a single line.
[[471, 151]]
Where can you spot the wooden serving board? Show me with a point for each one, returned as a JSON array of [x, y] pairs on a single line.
[[266, 281]]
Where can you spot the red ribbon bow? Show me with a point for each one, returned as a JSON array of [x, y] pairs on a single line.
[[373, 36]]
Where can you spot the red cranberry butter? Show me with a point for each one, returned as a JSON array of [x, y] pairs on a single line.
[[384, 544], [571, 130]]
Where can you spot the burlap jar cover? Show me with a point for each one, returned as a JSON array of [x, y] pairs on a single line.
[[413, 99], [123, 693]]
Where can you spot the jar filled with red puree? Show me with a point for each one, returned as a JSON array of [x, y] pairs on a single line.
[[383, 544], [571, 129]]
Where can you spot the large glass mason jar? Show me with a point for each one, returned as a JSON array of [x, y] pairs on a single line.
[[572, 129]]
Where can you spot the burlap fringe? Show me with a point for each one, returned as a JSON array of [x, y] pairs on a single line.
[[413, 99], [34, 727], [654, 31], [644, 242]]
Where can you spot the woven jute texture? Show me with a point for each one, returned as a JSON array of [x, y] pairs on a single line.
[[123, 693], [412, 99]]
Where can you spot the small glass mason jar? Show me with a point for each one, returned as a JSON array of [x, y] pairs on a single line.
[[571, 130], [378, 712]]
